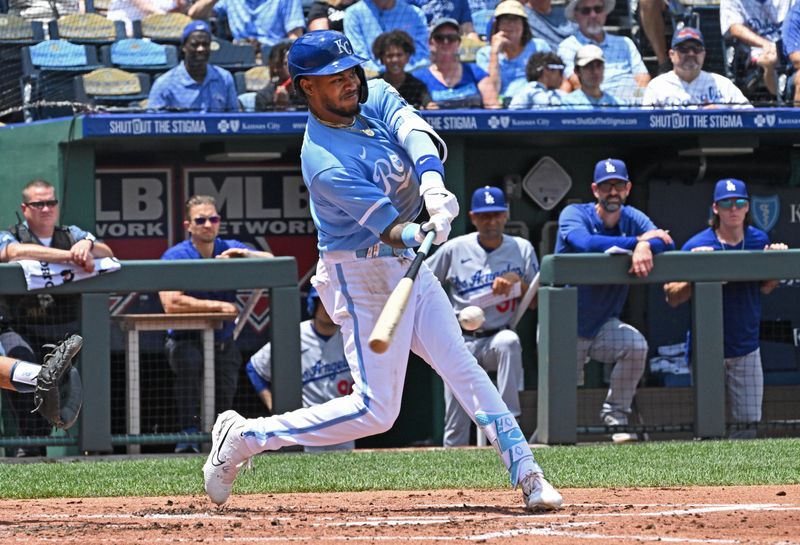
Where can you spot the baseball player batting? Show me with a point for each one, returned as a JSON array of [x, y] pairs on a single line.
[[485, 266], [370, 163], [326, 374]]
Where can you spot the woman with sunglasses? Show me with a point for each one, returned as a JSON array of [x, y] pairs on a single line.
[[545, 72], [511, 44], [452, 83], [741, 302]]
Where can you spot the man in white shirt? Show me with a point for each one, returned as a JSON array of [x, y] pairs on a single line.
[[757, 24], [687, 84]]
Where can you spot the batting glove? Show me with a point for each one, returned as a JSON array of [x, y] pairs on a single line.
[[438, 200], [439, 223]]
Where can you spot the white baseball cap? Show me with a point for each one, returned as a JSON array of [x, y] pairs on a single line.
[[588, 53]]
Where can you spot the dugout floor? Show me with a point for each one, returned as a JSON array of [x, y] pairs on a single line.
[[701, 515]]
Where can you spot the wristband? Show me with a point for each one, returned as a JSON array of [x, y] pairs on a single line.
[[429, 162], [409, 235]]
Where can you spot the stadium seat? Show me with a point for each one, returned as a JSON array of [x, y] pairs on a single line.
[[48, 69], [469, 48], [97, 6], [162, 27], [247, 101], [139, 55], [481, 22], [252, 80], [15, 32], [232, 57], [86, 28], [111, 87]]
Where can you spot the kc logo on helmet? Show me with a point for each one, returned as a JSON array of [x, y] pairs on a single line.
[[344, 46]]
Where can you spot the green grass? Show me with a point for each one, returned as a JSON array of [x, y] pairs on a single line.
[[704, 463]]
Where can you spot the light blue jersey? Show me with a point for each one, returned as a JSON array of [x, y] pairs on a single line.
[[360, 179]]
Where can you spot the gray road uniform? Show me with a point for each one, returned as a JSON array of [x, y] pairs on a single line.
[[467, 271]]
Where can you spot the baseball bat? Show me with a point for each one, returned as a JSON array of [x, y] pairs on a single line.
[[524, 302], [395, 306]]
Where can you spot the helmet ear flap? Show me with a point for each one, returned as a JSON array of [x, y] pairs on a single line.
[[363, 92]]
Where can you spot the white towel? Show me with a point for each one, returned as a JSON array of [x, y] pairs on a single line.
[[41, 274]]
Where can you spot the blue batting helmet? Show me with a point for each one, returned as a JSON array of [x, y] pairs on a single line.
[[322, 53], [312, 301]]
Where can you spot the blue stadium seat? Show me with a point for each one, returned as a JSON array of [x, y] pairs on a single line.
[[48, 69], [111, 87], [252, 80], [138, 55], [482, 22], [86, 28], [232, 57], [97, 6], [15, 32]]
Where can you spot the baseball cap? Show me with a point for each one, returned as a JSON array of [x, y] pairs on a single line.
[[195, 26], [588, 53], [440, 22], [730, 187], [610, 169], [687, 34], [488, 199], [510, 7]]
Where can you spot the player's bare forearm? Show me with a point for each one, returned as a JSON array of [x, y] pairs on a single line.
[[175, 302], [744, 34], [16, 252], [393, 235], [677, 293], [101, 249]]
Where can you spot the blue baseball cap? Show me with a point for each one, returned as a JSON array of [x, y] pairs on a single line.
[[488, 199], [195, 26], [610, 169], [730, 188], [687, 34]]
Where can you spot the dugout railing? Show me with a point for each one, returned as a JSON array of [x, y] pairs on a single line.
[[557, 372], [278, 276]]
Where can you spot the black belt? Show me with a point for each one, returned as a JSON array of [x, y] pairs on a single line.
[[480, 334]]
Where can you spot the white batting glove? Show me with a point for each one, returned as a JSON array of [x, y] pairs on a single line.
[[438, 200], [439, 223]]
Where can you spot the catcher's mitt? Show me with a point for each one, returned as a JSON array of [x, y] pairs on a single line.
[[59, 393]]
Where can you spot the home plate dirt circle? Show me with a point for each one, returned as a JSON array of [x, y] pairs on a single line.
[[702, 515]]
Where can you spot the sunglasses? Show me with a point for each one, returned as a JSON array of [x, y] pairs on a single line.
[[449, 38], [684, 49], [589, 9], [39, 205], [619, 185], [200, 221], [730, 203]]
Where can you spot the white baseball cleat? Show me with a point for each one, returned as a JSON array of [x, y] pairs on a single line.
[[620, 437], [226, 456], [538, 494]]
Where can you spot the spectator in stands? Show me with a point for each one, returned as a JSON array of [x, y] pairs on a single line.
[[511, 44], [651, 15], [365, 20], [549, 22], [394, 49], [590, 67], [791, 45], [625, 73], [452, 83], [545, 72], [136, 10], [756, 24], [328, 15], [45, 10], [195, 84], [730, 229], [279, 94], [185, 348], [262, 23], [688, 85], [448, 9]]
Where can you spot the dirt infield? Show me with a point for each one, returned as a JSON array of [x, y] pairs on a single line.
[[757, 514]]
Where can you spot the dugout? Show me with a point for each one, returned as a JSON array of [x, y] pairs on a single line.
[[125, 176]]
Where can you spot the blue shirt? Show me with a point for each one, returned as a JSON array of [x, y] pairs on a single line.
[[268, 21], [579, 100], [363, 22], [622, 61], [512, 71], [186, 250], [790, 32], [464, 95], [553, 28], [741, 301], [580, 230], [536, 95], [440, 9], [359, 178], [177, 89]]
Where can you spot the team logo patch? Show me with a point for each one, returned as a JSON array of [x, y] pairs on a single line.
[[610, 167], [765, 211]]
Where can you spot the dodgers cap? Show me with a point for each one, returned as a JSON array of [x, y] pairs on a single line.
[[730, 188], [610, 169], [488, 199]]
